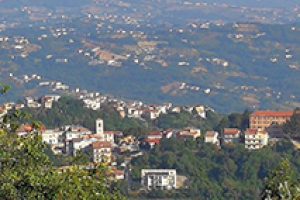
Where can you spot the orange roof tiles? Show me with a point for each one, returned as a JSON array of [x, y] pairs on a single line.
[[272, 114], [101, 145], [25, 128], [155, 141], [231, 131], [251, 131]]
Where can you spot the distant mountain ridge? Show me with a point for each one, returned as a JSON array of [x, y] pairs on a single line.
[[74, 3]]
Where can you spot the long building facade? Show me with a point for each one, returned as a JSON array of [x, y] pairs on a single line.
[[264, 119]]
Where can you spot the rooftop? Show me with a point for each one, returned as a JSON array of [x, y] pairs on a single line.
[[231, 131], [272, 114], [101, 145]]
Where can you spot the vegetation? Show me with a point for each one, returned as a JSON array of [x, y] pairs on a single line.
[[281, 183], [186, 119], [26, 171], [69, 110], [212, 173], [292, 127]]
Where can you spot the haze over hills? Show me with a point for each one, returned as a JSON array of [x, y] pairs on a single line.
[[185, 52]]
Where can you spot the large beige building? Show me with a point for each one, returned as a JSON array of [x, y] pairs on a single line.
[[264, 119]]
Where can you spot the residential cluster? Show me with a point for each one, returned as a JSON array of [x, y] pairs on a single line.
[[264, 127]]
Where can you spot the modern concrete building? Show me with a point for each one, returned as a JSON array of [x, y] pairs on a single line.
[[159, 179]]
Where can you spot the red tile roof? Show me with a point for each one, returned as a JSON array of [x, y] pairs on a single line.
[[251, 131], [155, 133], [101, 145], [155, 141], [272, 114], [231, 131], [25, 128]]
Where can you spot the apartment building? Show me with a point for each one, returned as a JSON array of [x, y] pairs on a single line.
[[264, 119], [256, 138], [158, 179]]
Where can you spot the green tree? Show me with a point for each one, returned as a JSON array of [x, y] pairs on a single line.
[[26, 171], [281, 184], [292, 127]]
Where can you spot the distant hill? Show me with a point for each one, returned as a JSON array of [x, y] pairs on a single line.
[[260, 3], [44, 3]]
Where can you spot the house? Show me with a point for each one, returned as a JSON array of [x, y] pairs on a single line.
[[151, 142], [155, 135], [53, 137], [231, 135], [189, 133], [256, 138], [117, 174], [168, 133], [121, 111], [176, 110], [31, 103], [152, 114], [24, 130], [101, 152], [73, 132], [200, 110], [47, 102], [264, 119], [158, 179], [109, 136], [3, 112], [82, 144], [212, 137], [153, 139], [133, 112]]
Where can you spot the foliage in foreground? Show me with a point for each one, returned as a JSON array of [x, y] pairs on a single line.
[[212, 173], [27, 173]]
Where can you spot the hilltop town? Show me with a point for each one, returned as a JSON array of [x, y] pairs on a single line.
[[118, 149], [168, 99]]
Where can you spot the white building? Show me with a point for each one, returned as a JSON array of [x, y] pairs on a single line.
[[108, 136], [73, 132], [162, 179], [53, 137], [102, 152], [201, 111], [31, 103], [81, 144], [93, 104], [133, 112], [256, 138], [212, 137]]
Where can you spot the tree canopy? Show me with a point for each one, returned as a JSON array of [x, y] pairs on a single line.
[[26, 171]]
